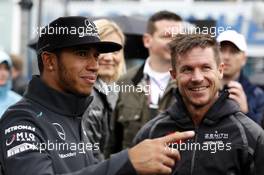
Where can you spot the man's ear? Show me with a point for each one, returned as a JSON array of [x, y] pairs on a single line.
[[244, 59], [49, 61], [173, 73], [147, 39]]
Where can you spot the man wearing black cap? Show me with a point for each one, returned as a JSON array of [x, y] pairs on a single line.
[[42, 133]]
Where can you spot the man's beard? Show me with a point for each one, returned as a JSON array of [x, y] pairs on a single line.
[[67, 81]]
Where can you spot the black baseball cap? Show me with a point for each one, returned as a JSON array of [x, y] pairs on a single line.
[[72, 31]]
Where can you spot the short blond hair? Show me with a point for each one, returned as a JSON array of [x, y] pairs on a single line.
[[105, 28]]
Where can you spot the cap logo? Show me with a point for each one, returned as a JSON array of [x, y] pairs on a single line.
[[90, 30]]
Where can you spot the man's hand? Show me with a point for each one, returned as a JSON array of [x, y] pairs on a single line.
[[237, 93], [153, 157]]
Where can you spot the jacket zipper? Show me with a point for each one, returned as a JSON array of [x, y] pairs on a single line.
[[194, 151]]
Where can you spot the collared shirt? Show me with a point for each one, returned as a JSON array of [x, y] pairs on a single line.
[[158, 82]]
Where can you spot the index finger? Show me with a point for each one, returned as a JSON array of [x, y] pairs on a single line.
[[177, 136]]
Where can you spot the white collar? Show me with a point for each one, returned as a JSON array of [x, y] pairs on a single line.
[[154, 74]]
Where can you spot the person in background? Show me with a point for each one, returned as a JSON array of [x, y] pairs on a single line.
[[249, 96], [7, 96], [135, 107], [97, 118], [111, 65], [19, 82]]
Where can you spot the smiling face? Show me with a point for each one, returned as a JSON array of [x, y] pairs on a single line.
[[198, 77], [109, 63], [76, 70]]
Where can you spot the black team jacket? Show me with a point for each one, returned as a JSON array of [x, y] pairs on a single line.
[[42, 134], [226, 142]]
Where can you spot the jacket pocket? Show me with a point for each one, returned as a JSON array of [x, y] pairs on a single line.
[[131, 120]]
